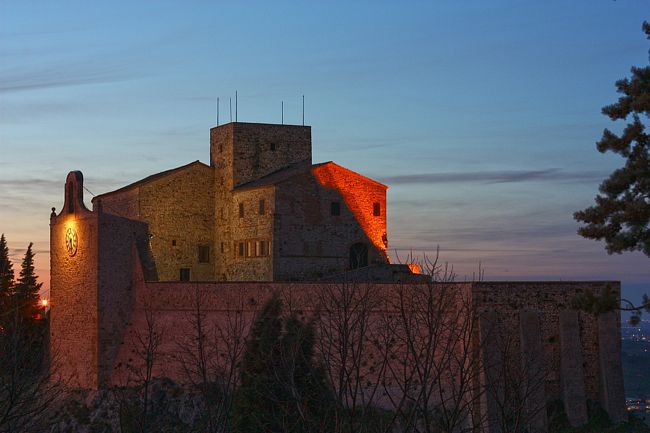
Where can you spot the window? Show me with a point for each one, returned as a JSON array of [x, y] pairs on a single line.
[[241, 210], [264, 248], [250, 252], [376, 209], [185, 274], [240, 249], [220, 147], [223, 247], [70, 198], [262, 206], [204, 254], [358, 255], [335, 208], [273, 146], [173, 242]]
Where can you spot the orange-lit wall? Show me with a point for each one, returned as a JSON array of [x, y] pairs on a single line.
[[359, 194]]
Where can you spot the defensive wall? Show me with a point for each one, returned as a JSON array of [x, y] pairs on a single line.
[[103, 305]]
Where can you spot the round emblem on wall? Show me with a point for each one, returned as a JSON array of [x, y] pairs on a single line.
[[71, 242]]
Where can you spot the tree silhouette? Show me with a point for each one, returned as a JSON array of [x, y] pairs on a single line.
[[282, 389], [621, 215]]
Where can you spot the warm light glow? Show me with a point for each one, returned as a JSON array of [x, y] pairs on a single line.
[[415, 268], [359, 193], [44, 303]]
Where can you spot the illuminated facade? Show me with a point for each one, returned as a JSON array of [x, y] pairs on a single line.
[[263, 219], [261, 211]]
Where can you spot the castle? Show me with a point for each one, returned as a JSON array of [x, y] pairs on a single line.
[[263, 219], [261, 211]]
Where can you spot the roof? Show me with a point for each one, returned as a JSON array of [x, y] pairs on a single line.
[[152, 178], [338, 167], [298, 168], [277, 176]]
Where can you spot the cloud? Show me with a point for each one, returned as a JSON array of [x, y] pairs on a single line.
[[71, 74], [498, 176]]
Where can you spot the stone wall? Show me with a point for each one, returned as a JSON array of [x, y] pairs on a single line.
[[311, 243], [254, 150], [179, 210], [178, 207], [252, 231], [74, 318]]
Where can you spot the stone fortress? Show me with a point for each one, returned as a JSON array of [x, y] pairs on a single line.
[[262, 218]]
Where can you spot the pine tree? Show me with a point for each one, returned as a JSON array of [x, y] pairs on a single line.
[[6, 270], [27, 287], [281, 389], [621, 215]]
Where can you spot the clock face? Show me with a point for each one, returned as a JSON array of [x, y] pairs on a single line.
[[71, 242]]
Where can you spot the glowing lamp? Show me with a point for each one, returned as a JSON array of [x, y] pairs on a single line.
[[44, 302]]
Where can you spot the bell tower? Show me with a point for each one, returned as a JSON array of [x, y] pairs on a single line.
[[74, 284]]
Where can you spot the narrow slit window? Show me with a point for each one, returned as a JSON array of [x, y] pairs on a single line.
[[262, 208], [70, 198], [335, 208], [376, 209], [240, 249], [241, 210]]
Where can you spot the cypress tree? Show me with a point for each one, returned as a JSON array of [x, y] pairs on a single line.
[[6, 270], [281, 389], [27, 287]]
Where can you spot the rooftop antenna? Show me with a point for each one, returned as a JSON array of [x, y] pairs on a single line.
[[303, 110], [230, 102], [217, 111], [283, 112], [235, 106]]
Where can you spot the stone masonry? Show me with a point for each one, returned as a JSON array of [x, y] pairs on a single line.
[[116, 268]]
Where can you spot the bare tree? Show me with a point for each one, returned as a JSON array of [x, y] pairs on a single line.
[[209, 356], [355, 361], [133, 397]]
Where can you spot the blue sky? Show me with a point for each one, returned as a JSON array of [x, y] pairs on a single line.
[[482, 117]]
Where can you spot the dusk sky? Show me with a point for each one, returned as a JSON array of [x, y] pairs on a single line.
[[480, 116]]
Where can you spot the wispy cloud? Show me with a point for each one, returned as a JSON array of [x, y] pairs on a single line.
[[60, 75], [498, 176]]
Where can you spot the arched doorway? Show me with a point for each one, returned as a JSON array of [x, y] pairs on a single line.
[[358, 255]]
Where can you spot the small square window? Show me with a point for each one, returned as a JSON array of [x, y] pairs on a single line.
[[335, 208], [376, 209], [185, 274], [262, 207], [241, 210], [204, 254]]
